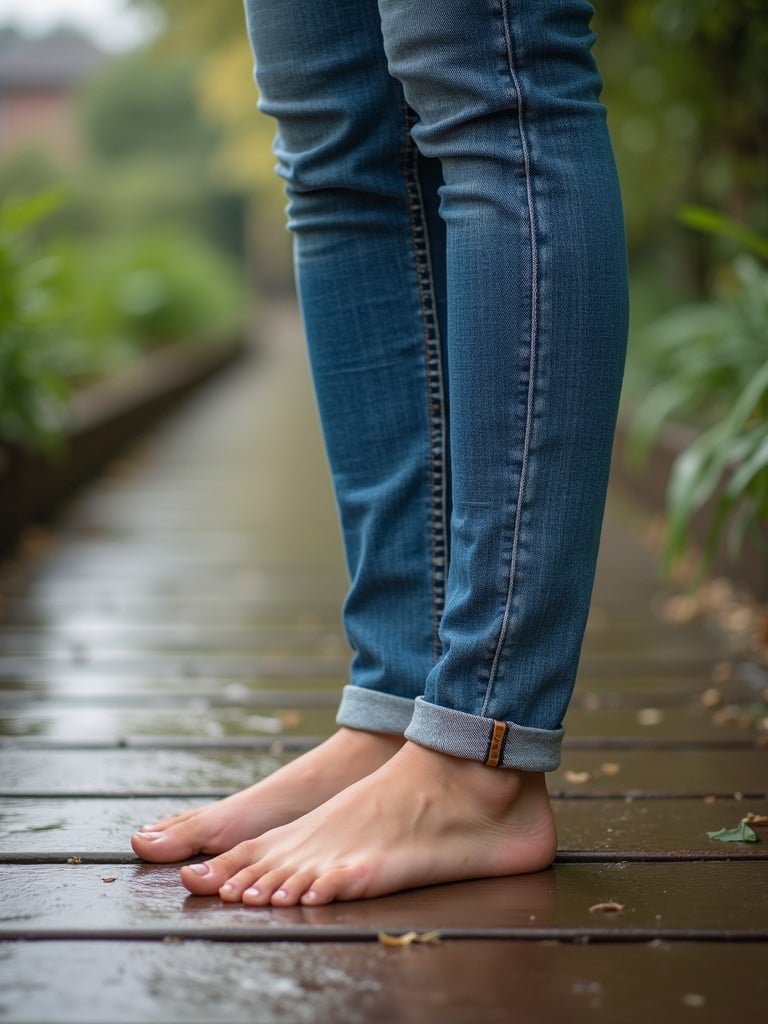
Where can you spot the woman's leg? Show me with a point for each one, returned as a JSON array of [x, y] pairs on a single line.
[[370, 264], [506, 96]]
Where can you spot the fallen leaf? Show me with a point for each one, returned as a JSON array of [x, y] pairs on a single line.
[[741, 834], [756, 820], [577, 776], [606, 908], [74, 860], [290, 719], [610, 768], [409, 938], [111, 878]]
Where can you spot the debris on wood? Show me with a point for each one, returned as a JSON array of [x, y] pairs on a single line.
[[109, 878], [743, 833], [755, 820], [74, 860], [609, 907], [711, 697], [610, 768], [577, 777], [650, 716], [410, 938]]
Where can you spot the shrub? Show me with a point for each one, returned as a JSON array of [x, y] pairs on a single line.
[[72, 311], [707, 364]]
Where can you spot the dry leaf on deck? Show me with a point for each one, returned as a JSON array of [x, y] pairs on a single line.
[[755, 820], [409, 938], [610, 907]]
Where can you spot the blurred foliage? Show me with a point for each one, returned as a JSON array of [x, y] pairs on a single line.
[[143, 106], [686, 88], [707, 363], [141, 249], [74, 311], [215, 33], [33, 386], [687, 94]]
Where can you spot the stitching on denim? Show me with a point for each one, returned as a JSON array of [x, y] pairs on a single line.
[[532, 360], [434, 372]]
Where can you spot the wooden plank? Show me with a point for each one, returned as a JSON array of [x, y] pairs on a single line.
[[141, 770], [62, 635], [709, 899], [127, 771], [94, 723], [616, 828], [457, 982], [111, 721], [122, 639], [78, 667]]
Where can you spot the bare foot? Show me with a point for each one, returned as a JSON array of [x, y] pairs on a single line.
[[421, 819], [298, 787]]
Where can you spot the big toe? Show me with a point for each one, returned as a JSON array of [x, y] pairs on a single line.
[[205, 879], [177, 842]]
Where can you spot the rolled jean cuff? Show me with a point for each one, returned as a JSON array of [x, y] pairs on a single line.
[[504, 744], [374, 711]]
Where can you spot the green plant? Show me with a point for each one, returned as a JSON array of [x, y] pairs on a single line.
[[156, 287], [33, 383], [73, 311], [707, 364]]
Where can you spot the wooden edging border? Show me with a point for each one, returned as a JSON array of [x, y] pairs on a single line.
[[749, 569], [104, 417]]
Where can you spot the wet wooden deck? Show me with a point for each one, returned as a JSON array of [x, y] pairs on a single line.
[[178, 635]]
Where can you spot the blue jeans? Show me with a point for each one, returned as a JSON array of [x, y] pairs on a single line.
[[460, 262]]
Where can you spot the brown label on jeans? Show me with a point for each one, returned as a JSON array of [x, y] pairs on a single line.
[[497, 744]]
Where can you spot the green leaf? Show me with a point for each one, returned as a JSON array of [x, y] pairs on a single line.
[[711, 222], [741, 834]]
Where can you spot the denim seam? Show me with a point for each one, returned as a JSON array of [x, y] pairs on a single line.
[[532, 359], [434, 375]]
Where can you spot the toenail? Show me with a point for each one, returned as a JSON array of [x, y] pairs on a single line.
[[227, 887], [253, 891], [150, 835], [281, 893], [199, 869], [310, 896]]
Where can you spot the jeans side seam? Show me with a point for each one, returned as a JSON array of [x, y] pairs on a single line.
[[434, 374], [504, 628]]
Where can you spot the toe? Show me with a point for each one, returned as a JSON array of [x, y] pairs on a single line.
[[340, 884], [206, 878], [292, 889], [260, 891], [163, 845]]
